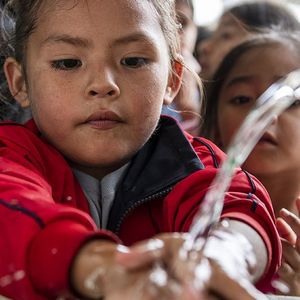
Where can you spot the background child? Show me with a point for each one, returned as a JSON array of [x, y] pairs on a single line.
[[246, 72], [95, 75], [239, 23], [187, 105]]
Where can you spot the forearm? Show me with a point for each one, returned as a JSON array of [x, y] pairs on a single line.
[[258, 247], [242, 246]]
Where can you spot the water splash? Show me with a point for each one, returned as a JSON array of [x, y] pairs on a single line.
[[12, 278], [277, 98]]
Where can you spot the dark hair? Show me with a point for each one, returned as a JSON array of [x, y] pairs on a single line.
[[19, 19], [264, 14], [289, 39]]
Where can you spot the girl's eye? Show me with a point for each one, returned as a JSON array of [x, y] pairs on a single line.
[[239, 100], [295, 104], [183, 21], [134, 62], [66, 64], [225, 35]]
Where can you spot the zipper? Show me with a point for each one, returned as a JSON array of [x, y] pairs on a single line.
[[140, 202]]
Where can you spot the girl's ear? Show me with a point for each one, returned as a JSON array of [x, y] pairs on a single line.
[[16, 81], [174, 83]]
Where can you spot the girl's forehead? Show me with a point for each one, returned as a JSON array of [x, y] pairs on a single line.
[[262, 62], [97, 7], [228, 20], [98, 23], [102, 15]]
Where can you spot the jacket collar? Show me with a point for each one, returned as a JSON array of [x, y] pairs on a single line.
[[165, 159]]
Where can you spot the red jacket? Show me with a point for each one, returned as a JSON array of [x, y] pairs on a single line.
[[44, 214]]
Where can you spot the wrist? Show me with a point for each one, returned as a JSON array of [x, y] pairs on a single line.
[[91, 266]]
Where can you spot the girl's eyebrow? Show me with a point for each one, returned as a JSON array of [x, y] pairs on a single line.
[[247, 78], [86, 43], [135, 37], [67, 39], [238, 79]]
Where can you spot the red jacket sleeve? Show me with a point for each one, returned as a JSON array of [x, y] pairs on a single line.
[[246, 201], [39, 237]]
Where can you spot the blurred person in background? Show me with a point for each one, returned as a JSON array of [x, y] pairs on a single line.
[[186, 106], [239, 23], [244, 74], [203, 33]]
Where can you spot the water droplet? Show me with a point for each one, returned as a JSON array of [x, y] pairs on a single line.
[[6, 280], [14, 202], [19, 275], [69, 198], [54, 251]]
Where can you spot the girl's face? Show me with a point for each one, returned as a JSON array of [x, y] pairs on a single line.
[[278, 149], [188, 34], [97, 74], [229, 33]]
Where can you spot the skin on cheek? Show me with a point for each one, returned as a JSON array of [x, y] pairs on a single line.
[[228, 124]]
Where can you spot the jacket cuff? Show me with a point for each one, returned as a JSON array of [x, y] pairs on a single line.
[[51, 254]]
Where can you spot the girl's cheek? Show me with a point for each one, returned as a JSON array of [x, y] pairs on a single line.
[[227, 130]]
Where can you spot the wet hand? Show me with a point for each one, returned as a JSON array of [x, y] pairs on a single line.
[[288, 225], [171, 276]]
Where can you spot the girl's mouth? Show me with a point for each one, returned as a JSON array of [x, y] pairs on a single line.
[[103, 119]]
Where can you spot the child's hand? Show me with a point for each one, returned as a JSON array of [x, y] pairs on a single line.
[[92, 265], [159, 269], [288, 226], [102, 268], [196, 277]]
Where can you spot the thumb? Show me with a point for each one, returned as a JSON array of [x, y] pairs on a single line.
[[140, 255]]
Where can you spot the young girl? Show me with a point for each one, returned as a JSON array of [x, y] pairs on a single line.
[[97, 167], [245, 73]]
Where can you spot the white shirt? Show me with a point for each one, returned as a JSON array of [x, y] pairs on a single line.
[[100, 194]]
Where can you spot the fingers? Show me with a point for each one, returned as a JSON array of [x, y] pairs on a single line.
[[285, 272], [290, 278], [141, 255], [285, 231], [162, 249], [291, 256], [294, 223], [289, 271], [291, 219], [228, 288], [182, 280]]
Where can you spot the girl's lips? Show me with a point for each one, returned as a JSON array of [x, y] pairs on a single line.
[[103, 119]]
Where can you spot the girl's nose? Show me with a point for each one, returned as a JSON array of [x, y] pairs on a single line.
[[102, 85], [274, 121]]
